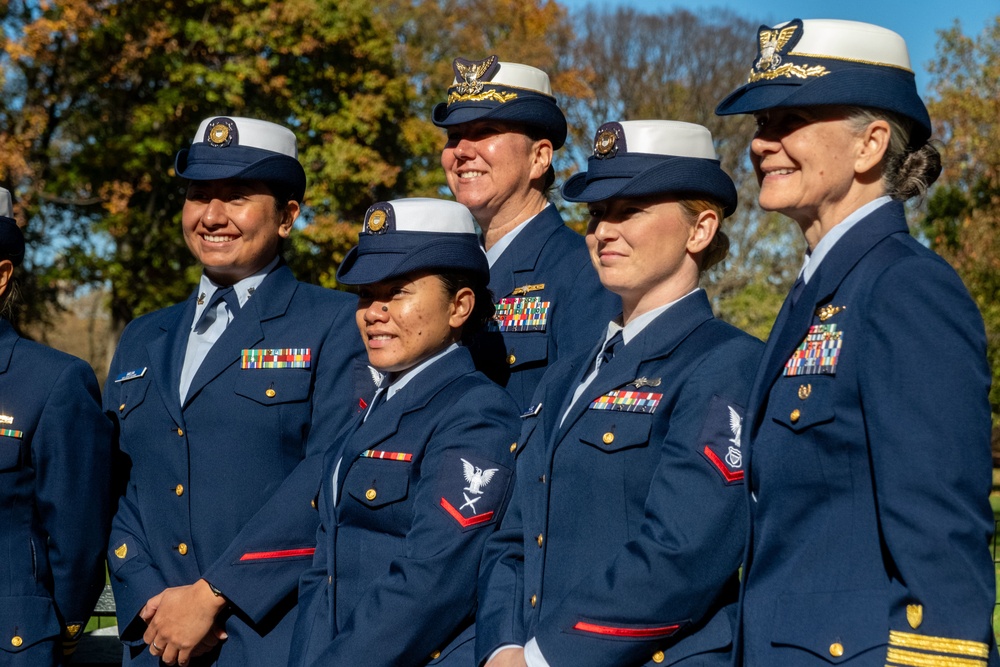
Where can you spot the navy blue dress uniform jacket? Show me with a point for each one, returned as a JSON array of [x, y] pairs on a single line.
[[548, 262], [871, 465], [422, 484], [55, 498], [221, 487], [623, 539]]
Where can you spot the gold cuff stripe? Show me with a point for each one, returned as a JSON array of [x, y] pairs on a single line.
[[939, 644], [899, 657]]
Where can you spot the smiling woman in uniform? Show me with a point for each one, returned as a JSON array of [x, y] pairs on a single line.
[[415, 486]]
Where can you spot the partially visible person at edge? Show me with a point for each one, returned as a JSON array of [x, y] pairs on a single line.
[[623, 539], [418, 483], [868, 429], [55, 485], [503, 125], [224, 404]]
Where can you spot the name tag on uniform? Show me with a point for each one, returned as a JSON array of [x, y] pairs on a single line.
[[818, 353], [526, 313], [628, 401], [131, 375], [277, 357]]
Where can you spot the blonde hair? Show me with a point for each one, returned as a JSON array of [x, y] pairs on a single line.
[[718, 247]]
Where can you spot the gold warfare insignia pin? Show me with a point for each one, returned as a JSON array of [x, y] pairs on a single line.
[[829, 310], [122, 551], [914, 615], [639, 383], [376, 221], [524, 289]]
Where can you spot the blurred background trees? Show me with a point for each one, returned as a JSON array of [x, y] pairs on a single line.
[[98, 95]]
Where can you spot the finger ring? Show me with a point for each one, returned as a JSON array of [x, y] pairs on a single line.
[[156, 647]]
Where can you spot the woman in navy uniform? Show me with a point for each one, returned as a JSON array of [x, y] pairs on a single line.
[[868, 427], [503, 126], [224, 405], [420, 481], [55, 497], [623, 540]]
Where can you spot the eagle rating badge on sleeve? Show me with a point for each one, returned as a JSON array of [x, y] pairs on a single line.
[[720, 439], [472, 489]]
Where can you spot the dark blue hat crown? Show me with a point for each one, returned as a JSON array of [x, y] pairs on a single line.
[[408, 235], [643, 158], [509, 92], [244, 148], [11, 236], [816, 62]]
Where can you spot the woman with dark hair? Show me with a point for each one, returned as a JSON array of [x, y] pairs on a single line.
[[868, 429], [415, 486], [224, 406], [55, 487], [624, 535]]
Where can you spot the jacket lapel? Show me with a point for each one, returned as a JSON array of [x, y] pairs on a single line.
[[269, 301], [657, 340], [522, 254], [166, 351], [793, 322]]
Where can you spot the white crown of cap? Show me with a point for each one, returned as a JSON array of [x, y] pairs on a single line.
[[517, 75], [668, 137], [6, 205], [424, 214], [852, 40], [256, 134]]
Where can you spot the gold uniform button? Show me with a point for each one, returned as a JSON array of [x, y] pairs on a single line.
[[180, 432], [795, 417], [329, 579], [534, 599], [270, 393], [179, 490], [658, 657], [313, 503], [121, 407], [182, 549], [836, 649], [16, 641], [540, 539], [608, 438], [435, 655], [513, 447], [370, 494], [511, 359]]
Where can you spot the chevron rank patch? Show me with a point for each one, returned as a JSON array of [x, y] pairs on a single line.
[[525, 313], [627, 401], [818, 352], [472, 489], [720, 439], [278, 357]]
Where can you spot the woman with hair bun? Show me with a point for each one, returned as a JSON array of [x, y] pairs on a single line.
[[868, 429]]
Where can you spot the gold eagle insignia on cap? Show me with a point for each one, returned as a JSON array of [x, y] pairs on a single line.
[[471, 74], [121, 551], [376, 221], [771, 43], [775, 42]]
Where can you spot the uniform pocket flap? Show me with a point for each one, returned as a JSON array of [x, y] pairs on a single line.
[[131, 395], [271, 386], [10, 452], [25, 621], [376, 483], [852, 622], [526, 348], [612, 431], [715, 635]]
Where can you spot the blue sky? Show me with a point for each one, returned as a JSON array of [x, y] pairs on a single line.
[[917, 20]]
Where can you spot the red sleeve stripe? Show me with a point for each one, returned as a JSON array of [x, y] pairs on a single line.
[[465, 523], [271, 555], [729, 475], [614, 631]]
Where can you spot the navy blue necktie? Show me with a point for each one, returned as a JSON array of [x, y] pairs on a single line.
[[797, 288], [608, 353]]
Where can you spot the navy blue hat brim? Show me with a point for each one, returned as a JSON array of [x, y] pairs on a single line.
[[646, 175], [11, 241], [381, 257], [886, 88], [537, 111], [203, 162]]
